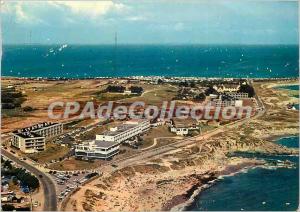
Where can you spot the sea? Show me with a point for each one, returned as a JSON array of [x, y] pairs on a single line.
[[291, 88], [257, 189], [82, 61]]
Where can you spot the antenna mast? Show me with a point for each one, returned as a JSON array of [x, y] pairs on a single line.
[[30, 36], [115, 52]]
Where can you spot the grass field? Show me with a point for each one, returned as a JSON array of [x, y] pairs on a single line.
[[73, 164], [52, 152], [112, 96], [156, 95], [160, 131]]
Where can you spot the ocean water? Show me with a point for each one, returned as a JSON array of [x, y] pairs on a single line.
[[149, 60], [291, 142], [290, 87], [258, 189]]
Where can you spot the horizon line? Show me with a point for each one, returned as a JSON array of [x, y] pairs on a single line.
[[153, 44]]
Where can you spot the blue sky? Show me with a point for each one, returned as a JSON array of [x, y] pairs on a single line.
[[151, 22]]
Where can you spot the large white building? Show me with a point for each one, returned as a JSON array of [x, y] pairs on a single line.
[[107, 144], [96, 149], [33, 139], [125, 131]]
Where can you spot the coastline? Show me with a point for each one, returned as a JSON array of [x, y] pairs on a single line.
[[198, 188], [152, 76], [190, 197]]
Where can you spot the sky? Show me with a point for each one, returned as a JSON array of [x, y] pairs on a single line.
[[150, 22]]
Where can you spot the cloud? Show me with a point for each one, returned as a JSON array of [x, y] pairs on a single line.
[[91, 9], [21, 15], [22, 12], [33, 12]]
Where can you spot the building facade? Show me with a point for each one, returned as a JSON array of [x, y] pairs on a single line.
[[227, 88], [183, 127], [96, 150], [125, 131], [28, 142], [237, 95], [33, 139]]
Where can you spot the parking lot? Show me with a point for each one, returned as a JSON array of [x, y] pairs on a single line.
[[66, 182]]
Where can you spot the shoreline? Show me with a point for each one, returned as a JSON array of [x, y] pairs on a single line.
[[275, 138], [150, 76], [196, 190], [184, 201]]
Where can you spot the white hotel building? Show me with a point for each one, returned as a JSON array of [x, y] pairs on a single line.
[[126, 131], [107, 144], [97, 149]]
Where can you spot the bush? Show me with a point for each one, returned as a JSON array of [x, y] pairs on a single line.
[[8, 207], [28, 109], [136, 89], [115, 89], [211, 90], [200, 97], [247, 89]]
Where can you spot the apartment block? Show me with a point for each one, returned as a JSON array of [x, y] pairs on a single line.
[[33, 139]]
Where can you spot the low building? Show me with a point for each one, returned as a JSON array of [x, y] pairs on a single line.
[[97, 149], [183, 126], [223, 103], [126, 131], [237, 95], [227, 88], [33, 139]]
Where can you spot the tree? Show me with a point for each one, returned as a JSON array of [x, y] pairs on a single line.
[[28, 109], [8, 207], [211, 90], [115, 89], [159, 81], [192, 84], [247, 89], [183, 84], [136, 89], [200, 97]]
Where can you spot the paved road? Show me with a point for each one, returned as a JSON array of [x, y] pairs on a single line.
[[50, 203]]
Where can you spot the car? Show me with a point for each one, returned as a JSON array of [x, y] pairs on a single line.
[[114, 165], [41, 176]]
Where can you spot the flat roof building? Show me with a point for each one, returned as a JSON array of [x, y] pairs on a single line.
[[96, 149], [183, 126], [125, 131], [33, 139]]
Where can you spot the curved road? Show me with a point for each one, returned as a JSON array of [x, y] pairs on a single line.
[[50, 203]]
